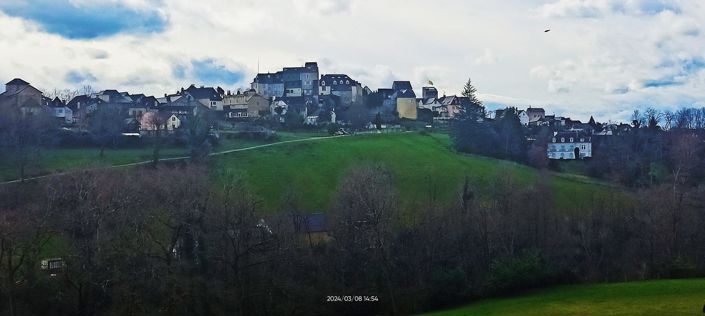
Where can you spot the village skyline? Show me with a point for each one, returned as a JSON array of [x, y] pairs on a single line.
[[602, 58]]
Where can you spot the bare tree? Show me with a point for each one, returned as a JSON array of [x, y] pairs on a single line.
[[23, 135], [363, 218], [155, 124], [105, 125]]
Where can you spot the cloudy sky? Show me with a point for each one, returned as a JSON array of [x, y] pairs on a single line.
[[605, 57]]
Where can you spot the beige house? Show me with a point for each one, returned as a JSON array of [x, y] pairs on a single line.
[[20, 94], [406, 107], [151, 121], [245, 105]]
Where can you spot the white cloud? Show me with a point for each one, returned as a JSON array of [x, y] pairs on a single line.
[[600, 8], [487, 58], [324, 7], [596, 65]]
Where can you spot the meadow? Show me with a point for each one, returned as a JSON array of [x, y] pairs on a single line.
[[661, 297], [426, 170]]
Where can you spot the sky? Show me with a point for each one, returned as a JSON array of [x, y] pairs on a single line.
[[602, 57]]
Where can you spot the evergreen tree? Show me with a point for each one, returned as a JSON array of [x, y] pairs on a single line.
[[469, 91], [470, 131]]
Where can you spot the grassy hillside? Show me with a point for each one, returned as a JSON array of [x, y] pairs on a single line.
[[670, 297], [420, 164], [52, 160]]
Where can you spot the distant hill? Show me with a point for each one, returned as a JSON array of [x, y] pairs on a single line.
[[420, 163]]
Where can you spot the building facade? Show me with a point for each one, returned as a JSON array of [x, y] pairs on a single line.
[[249, 104], [570, 146], [23, 96], [346, 89]]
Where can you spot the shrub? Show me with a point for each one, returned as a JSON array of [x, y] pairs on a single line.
[[333, 128], [447, 287], [529, 270]]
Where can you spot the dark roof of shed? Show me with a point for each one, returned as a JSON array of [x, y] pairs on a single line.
[[310, 223]]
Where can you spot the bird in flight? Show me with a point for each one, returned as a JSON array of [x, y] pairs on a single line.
[[546, 31]]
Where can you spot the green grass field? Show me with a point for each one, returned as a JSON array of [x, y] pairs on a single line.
[[53, 160], [653, 298], [420, 164]]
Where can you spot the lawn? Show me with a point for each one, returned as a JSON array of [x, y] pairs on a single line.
[[665, 297], [424, 167], [52, 160]]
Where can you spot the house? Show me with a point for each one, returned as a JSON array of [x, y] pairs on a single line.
[[151, 121], [382, 106], [429, 93], [312, 227], [209, 97], [60, 111], [406, 104], [83, 105], [53, 266], [299, 105], [279, 107], [451, 106], [141, 104], [405, 99], [20, 94], [311, 120], [523, 117], [114, 96], [429, 103], [249, 105], [268, 85], [535, 115], [570, 146], [346, 89], [291, 82]]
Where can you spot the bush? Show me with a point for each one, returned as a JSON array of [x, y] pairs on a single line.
[[447, 287], [529, 270], [682, 268], [333, 128]]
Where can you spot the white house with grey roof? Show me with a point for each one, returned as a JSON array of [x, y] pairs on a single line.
[[570, 146]]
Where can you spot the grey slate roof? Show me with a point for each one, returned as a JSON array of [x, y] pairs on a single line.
[[268, 78], [402, 85], [204, 93], [17, 82]]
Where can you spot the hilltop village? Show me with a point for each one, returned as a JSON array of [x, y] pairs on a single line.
[[295, 97]]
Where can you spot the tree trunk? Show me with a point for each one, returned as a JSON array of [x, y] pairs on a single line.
[[10, 285]]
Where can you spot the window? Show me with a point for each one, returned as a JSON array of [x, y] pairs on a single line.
[[562, 140], [582, 140], [55, 264], [323, 83], [244, 114], [571, 139], [173, 118], [335, 82], [347, 81], [554, 139]]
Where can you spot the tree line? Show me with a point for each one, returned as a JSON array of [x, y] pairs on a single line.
[[170, 241], [658, 147]]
